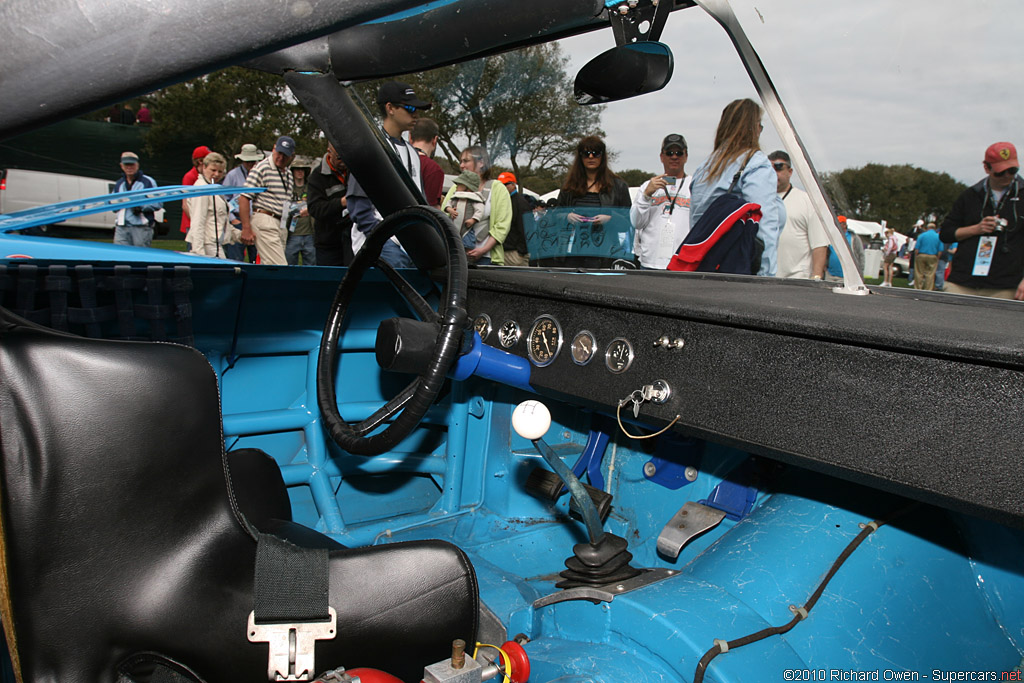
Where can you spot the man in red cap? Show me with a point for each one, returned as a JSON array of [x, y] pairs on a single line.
[[987, 222], [198, 154], [516, 250]]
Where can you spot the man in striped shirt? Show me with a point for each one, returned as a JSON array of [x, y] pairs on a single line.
[[262, 225]]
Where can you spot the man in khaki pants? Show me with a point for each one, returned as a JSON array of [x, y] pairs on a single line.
[[262, 226]]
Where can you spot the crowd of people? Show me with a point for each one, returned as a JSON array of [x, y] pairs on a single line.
[[322, 215]]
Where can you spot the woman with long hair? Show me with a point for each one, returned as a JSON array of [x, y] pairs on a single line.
[[590, 184], [485, 242], [738, 153]]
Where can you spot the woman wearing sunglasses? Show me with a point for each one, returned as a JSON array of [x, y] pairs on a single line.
[[590, 185], [738, 152]]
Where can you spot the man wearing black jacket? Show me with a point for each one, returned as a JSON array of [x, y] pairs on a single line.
[[987, 221], [332, 226]]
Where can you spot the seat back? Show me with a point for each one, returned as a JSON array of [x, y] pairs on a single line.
[[121, 533]]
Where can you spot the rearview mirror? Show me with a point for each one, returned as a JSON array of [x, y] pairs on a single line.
[[624, 71]]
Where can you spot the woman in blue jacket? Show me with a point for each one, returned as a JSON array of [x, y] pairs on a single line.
[[737, 148]]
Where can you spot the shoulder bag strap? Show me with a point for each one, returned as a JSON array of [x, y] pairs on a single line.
[[736, 178]]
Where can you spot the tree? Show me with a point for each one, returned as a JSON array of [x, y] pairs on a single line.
[[518, 105], [898, 194], [228, 108], [634, 177]]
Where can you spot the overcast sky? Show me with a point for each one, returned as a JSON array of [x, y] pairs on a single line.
[[930, 83]]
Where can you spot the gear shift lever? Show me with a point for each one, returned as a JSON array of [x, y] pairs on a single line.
[[531, 420], [605, 558]]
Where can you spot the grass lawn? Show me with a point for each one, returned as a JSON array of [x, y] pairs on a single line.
[[169, 245], [896, 281]]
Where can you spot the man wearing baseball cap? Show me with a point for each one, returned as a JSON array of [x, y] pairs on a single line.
[[988, 223], [261, 213], [661, 210], [517, 253], [190, 177], [134, 227], [399, 107]]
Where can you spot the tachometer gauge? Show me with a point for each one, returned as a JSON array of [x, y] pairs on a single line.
[[482, 325], [545, 341], [583, 347], [619, 355], [509, 333]]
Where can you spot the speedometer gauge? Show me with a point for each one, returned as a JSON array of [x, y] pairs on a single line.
[[545, 341], [619, 355]]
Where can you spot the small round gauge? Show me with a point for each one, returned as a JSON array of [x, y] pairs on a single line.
[[545, 341], [482, 325], [583, 347], [619, 355], [509, 333]]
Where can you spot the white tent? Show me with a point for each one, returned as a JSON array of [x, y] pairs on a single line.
[[870, 228]]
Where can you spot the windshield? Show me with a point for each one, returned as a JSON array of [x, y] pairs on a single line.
[[896, 105]]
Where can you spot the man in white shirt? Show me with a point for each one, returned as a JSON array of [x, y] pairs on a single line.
[[803, 244], [661, 211]]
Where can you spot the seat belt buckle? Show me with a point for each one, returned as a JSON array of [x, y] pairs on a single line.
[[292, 645]]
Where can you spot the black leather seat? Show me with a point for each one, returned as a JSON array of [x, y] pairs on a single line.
[[122, 535]]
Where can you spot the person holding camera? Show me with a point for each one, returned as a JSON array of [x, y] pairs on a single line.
[[661, 211], [986, 221]]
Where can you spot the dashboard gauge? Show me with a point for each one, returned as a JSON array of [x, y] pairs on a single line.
[[583, 347], [619, 355], [482, 325], [509, 333], [545, 341]]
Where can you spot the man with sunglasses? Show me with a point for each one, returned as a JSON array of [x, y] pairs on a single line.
[[803, 243], [987, 221], [399, 108], [661, 211]]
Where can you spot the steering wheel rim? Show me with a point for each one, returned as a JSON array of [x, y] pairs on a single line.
[[414, 401]]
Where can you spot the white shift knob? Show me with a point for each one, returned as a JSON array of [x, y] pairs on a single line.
[[531, 419]]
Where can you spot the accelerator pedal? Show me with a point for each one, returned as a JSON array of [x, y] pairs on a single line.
[[692, 520]]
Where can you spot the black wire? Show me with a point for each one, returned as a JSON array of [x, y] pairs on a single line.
[[702, 665]]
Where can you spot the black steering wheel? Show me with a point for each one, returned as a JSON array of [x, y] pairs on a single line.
[[451, 319]]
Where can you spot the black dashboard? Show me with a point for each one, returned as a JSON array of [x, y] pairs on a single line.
[[914, 393]]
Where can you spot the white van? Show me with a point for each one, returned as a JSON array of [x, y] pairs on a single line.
[[21, 189]]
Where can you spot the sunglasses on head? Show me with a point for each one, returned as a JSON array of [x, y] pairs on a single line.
[[1007, 171], [674, 152], [592, 153], [779, 165]]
